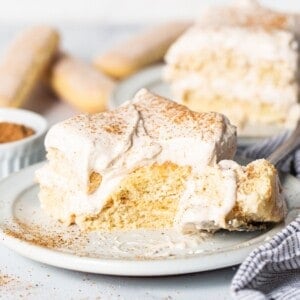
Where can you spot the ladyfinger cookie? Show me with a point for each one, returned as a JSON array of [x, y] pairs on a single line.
[[141, 50], [80, 84], [24, 63]]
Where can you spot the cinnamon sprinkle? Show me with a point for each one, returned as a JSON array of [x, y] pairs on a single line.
[[10, 132], [36, 235], [5, 279]]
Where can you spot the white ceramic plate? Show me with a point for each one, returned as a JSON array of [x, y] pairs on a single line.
[[27, 230], [151, 78]]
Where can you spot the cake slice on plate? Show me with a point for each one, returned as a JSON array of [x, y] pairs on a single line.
[[240, 60], [139, 166]]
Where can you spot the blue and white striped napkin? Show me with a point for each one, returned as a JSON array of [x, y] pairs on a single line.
[[272, 271]]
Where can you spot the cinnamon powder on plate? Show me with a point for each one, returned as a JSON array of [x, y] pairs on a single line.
[[10, 132]]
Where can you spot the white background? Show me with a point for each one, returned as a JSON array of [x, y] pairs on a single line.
[[112, 11]]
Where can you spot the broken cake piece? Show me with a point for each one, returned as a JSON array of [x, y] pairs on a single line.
[[233, 197]]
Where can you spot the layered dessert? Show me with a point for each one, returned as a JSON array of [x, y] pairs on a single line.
[[153, 164], [240, 60]]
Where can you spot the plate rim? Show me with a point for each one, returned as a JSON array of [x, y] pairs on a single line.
[[121, 267]]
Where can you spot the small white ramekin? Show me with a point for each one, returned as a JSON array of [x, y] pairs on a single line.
[[22, 153]]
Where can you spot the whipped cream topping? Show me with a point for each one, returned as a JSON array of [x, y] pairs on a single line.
[[146, 130], [257, 44]]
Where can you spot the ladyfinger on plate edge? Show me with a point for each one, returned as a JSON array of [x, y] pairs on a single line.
[[24, 63], [141, 50], [80, 84]]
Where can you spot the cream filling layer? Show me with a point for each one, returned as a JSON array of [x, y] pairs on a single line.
[[247, 88], [241, 91]]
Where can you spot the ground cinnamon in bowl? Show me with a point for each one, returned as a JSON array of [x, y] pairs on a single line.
[[10, 132]]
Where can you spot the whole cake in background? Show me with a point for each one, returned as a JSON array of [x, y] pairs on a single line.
[[240, 60], [153, 164]]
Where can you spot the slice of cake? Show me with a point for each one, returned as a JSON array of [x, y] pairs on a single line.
[[127, 168], [240, 60], [141, 166]]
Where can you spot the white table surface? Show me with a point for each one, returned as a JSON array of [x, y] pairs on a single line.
[[33, 280]]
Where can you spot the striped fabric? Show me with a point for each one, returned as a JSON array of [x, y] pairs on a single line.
[[272, 271]]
